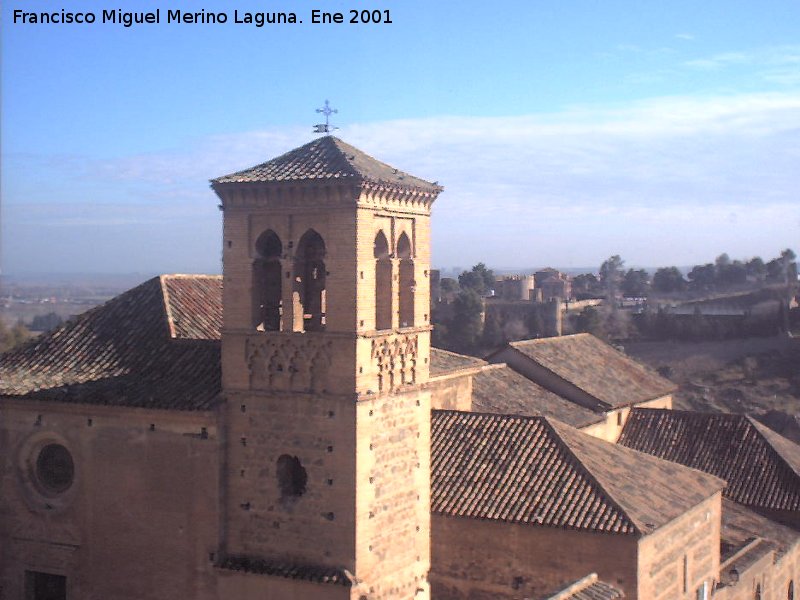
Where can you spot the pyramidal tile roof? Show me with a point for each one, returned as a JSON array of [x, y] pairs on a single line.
[[329, 159], [761, 467], [539, 471], [597, 368], [154, 346]]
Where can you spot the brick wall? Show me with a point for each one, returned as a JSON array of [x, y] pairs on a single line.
[[141, 517]]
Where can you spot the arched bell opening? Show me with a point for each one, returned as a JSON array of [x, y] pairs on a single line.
[[407, 283], [310, 275], [383, 283], [266, 282]]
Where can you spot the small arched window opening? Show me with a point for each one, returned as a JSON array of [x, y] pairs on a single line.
[[407, 283], [267, 282], [790, 592], [310, 277], [292, 477], [383, 283], [757, 595]]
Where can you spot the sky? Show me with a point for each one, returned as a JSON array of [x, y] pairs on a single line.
[[563, 132]]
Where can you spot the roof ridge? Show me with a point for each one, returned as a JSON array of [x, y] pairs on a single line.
[[190, 275], [759, 427], [604, 406], [637, 527], [165, 302], [551, 338]]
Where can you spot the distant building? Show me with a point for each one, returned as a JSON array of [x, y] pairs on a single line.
[[553, 284], [516, 288]]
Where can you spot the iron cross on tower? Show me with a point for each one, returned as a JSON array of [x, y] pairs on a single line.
[[327, 111]]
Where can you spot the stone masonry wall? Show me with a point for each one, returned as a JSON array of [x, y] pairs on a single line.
[[473, 559], [393, 495], [141, 517], [678, 558], [316, 527]]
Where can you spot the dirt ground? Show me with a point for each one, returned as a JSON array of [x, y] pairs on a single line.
[[757, 376]]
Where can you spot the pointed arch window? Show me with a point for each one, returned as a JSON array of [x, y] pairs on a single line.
[[267, 282], [383, 283], [407, 283], [310, 275]]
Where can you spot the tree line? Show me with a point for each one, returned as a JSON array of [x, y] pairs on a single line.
[[721, 275]]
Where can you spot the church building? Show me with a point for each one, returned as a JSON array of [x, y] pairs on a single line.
[[285, 431]]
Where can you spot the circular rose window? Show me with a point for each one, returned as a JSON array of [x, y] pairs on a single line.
[[55, 470]]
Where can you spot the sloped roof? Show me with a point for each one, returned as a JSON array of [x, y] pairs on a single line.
[[154, 346], [596, 368], [444, 361], [741, 525], [760, 466], [539, 471], [588, 588], [328, 158], [499, 389]]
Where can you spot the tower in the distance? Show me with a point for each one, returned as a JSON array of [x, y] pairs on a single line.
[[325, 347]]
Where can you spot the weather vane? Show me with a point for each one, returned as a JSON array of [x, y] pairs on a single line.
[[326, 127]]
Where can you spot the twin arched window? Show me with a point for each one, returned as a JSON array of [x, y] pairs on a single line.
[[308, 286], [308, 292], [384, 282]]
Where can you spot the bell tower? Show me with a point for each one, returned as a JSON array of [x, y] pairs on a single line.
[[325, 347]]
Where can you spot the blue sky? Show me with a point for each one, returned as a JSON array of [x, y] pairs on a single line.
[[563, 132]]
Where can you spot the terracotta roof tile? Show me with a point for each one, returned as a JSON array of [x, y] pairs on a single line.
[[444, 361], [534, 470], [499, 389], [596, 368], [194, 306], [328, 158], [759, 465], [128, 352]]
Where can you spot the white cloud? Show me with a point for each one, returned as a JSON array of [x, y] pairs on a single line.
[[657, 181]]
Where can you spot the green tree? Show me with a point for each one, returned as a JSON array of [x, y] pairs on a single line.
[[466, 326], [668, 280], [586, 285], [756, 269], [611, 277], [636, 283], [702, 277], [479, 279], [448, 285]]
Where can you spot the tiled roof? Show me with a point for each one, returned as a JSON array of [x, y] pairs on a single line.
[[596, 368], [741, 525], [760, 466], [444, 361], [289, 570], [500, 389], [155, 346], [328, 158], [539, 471], [588, 588], [194, 306]]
